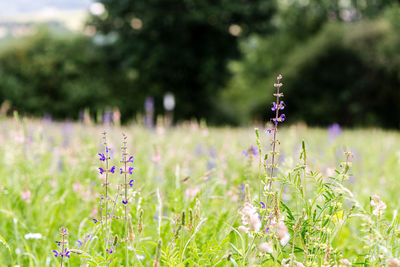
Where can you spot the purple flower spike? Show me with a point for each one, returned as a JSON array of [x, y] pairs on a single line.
[[131, 170], [124, 202], [112, 170], [55, 253], [101, 170], [130, 159], [131, 183], [262, 204], [102, 157]]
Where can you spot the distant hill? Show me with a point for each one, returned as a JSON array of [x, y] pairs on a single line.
[[20, 17]]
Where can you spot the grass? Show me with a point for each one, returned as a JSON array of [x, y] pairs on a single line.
[[190, 171]]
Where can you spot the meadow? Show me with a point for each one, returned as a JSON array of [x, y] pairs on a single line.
[[200, 196]]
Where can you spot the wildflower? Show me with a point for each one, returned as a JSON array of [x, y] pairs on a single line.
[[265, 247], [130, 159], [243, 229], [251, 151], [282, 233], [250, 217], [78, 243], [281, 118], [33, 236], [286, 263], [345, 262], [334, 131], [111, 250], [95, 220], [393, 262], [191, 192], [262, 205], [276, 106], [101, 170], [26, 196], [378, 205], [77, 187], [124, 201], [131, 183], [112, 170], [102, 157]]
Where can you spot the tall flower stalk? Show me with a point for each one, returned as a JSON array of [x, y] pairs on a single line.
[[126, 170], [63, 252], [276, 106], [106, 159]]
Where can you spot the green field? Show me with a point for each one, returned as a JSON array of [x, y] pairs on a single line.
[[49, 178]]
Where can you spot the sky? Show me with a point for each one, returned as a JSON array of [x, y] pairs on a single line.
[[70, 13], [18, 7]]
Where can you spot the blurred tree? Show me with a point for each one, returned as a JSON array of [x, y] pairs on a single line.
[[339, 71], [56, 75], [179, 46]]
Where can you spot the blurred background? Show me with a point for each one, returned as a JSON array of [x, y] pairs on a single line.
[[215, 60]]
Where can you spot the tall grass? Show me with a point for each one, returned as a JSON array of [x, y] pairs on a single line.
[[190, 190]]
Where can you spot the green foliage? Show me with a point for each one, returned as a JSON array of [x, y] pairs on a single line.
[[56, 75], [346, 73]]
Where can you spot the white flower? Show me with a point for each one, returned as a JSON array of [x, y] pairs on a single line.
[[250, 217], [282, 233], [265, 247], [33, 236], [243, 229]]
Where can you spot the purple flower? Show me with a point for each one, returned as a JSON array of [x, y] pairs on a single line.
[[131, 182], [101, 170], [112, 170], [149, 104], [280, 106], [262, 204], [102, 157], [254, 150], [95, 220], [66, 253], [121, 170], [131, 170], [55, 253], [58, 243], [79, 243], [130, 159], [124, 202], [334, 131], [245, 152], [111, 250], [281, 118]]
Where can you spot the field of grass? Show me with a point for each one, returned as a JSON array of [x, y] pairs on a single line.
[[190, 199]]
